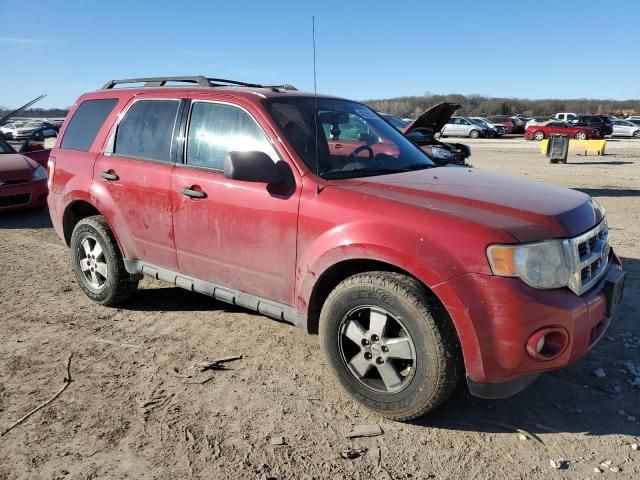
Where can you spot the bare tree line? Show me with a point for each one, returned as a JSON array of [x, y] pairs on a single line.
[[478, 105]]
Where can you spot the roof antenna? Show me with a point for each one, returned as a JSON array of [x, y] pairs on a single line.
[[315, 103]]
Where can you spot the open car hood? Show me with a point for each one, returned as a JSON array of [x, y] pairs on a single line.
[[434, 118]]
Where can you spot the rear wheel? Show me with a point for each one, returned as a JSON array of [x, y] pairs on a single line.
[[539, 135], [581, 136], [474, 133], [97, 263], [391, 345]]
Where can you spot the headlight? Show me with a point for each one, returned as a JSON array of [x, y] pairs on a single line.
[[442, 153], [39, 174], [539, 265]]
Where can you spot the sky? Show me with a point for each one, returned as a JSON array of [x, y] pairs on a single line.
[[365, 50]]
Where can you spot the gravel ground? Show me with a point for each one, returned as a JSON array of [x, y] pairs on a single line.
[[135, 408]]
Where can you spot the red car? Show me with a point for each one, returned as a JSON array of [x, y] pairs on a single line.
[[23, 182], [540, 131], [414, 275], [509, 124]]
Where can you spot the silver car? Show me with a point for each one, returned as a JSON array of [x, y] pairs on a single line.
[[464, 127], [625, 128]]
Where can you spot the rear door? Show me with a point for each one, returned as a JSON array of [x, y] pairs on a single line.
[[235, 234], [132, 180]]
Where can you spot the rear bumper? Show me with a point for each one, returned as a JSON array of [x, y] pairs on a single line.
[[28, 195], [495, 317]]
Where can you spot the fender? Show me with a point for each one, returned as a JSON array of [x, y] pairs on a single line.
[[427, 260]]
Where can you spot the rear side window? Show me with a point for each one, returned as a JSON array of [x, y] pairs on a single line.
[[85, 123], [146, 130], [217, 129]]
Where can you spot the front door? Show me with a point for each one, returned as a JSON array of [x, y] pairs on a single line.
[[232, 233], [133, 180]]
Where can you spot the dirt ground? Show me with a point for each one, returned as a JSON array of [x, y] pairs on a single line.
[[134, 409]]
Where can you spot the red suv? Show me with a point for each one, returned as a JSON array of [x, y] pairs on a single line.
[[316, 211]]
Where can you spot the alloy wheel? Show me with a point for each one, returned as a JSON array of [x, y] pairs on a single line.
[[93, 263], [377, 349]]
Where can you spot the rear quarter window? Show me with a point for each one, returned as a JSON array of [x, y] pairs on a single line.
[[85, 123]]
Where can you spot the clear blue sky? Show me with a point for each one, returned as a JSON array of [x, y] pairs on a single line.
[[368, 49]]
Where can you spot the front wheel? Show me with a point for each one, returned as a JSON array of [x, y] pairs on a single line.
[[636, 134], [474, 133], [581, 136], [391, 345], [97, 263], [539, 135]]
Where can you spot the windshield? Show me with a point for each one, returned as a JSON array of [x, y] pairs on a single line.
[[479, 121], [32, 125], [395, 121], [352, 140]]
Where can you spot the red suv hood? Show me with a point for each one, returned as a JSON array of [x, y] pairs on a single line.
[[527, 210], [14, 166]]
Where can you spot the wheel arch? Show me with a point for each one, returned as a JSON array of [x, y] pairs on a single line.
[[73, 213]]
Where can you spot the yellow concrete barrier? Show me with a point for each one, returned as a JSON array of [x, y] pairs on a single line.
[[584, 147]]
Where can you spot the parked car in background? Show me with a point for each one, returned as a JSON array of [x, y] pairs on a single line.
[[464, 127], [566, 116], [625, 128], [27, 129], [422, 131], [23, 181], [635, 121], [541, 131], [415, 276], [520, 122], [495, 129], [37, 147], [8, 130], [506, 121], [538, 121], [602, 123], [397, 122]]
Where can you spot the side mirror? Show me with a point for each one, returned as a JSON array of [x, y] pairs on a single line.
[[253, 166]]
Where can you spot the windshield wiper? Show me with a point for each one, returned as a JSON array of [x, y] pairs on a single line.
[[369, 172]]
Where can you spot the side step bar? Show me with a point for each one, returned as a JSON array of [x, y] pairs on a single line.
[[261, 305]]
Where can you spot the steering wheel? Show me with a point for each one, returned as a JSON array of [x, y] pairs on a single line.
[[355, 153]]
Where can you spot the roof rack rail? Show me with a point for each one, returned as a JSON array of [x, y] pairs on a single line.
[[199, 80], [159, 81]]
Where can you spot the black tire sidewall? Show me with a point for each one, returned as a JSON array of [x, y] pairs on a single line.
[[421, 385], [80, 232]]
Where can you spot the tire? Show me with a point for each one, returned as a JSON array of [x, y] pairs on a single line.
[[538, 135], [581, 136], [474, 134], [636, 134], [413, 320], [97, 262]]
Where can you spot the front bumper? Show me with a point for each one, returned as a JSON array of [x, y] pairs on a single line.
[[496, 316], [27, 195]]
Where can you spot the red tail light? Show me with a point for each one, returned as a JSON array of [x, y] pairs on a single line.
[[51, 166]]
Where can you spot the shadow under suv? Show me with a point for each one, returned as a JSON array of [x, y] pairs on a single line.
[[316, 211]]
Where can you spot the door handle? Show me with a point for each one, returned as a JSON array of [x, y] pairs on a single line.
[[337, 146], [109, 175], [190, 192]]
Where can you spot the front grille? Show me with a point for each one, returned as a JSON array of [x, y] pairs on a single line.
[[14, 181], [588, 256], [14, 200]]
